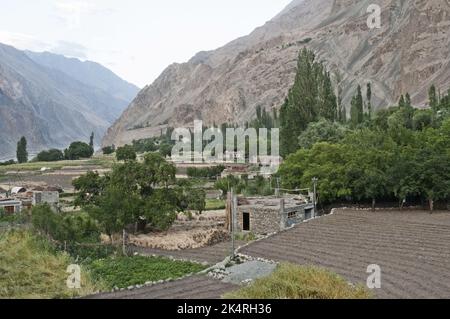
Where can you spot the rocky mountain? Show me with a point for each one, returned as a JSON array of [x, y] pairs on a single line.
[[408, 53], [89, 73], [49, 106]]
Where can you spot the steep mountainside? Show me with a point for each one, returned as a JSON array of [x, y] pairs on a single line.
[[89, 73], [47, 106], [409, 53]]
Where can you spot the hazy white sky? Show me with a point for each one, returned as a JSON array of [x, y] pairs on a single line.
[[137, 39]]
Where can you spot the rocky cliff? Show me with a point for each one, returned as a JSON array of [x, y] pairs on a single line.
[[407, 54]]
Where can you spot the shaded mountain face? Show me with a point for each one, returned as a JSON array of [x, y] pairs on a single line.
[[89, 73], [48, 106], [407, 54]]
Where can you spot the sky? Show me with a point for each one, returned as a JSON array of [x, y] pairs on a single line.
[[137, 39]]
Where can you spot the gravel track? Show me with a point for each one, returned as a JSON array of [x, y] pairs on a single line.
[[412, 249]]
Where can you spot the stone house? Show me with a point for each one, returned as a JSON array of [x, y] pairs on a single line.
[[266, 215], [11, 206]]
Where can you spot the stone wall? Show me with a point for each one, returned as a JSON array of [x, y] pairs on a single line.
[[262, 220]]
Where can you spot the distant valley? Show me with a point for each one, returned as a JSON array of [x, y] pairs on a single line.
[[53, 100]]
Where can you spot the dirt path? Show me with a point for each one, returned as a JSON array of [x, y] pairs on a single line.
[[412, 249], [210, 255], [196, 287]]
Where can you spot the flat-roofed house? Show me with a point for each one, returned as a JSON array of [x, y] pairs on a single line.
[[11, 206]]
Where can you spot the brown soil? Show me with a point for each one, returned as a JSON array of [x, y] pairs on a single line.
[[412, 248], [196, 287]]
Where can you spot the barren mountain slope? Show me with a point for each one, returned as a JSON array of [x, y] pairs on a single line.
[[408, 53]]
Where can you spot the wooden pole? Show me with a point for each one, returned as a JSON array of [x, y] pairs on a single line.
[[233, 223], [124, 247]]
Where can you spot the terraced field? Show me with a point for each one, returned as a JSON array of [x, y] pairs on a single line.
[[196, 287], [412, 249]]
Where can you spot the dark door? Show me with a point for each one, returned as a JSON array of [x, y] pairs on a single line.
[[246, 222], [9, 210]]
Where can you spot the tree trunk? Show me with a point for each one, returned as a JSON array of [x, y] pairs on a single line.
[[431, 201], [373, 204]]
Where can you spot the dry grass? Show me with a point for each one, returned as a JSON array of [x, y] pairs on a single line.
[[29, 269], [299, 282]]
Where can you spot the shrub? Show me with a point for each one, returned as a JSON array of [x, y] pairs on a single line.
[[52, 155], [299, 282], [78, 227]]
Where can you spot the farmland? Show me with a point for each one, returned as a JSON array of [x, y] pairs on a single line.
[[412, 249]]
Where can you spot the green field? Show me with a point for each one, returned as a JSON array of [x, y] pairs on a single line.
[[102, 160], [123, 272], [215, 204]]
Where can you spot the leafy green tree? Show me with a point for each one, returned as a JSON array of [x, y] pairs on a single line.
[[22, 153], [78, 150], [423, 119], [322, 131], [126, 153], [53, 155], [311, 97], [408, 102], [91, 140], [369, 99], [130, 193], [196, 199], [357, 108], [108, 150], [432, 98], [165, 149]]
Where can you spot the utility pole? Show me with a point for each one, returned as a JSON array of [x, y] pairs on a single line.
[[233, 219], [315, 180]]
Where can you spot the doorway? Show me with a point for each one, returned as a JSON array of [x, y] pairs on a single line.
[[246, 222]]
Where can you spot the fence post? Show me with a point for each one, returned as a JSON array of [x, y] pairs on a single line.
[[124, 248]]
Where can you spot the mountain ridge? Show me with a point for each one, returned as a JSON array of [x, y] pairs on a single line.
[[47, 106], [226, 85]]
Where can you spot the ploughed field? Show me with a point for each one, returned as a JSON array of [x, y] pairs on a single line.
[[411, 247], [195, 287]]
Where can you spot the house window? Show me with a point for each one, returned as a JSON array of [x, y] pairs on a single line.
[[292, 215], [246, 222], [9, 210]]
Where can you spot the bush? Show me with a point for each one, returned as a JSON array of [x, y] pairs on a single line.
[[126, 153], [79, 228], [52, 155], [78, 150], [299, 282]]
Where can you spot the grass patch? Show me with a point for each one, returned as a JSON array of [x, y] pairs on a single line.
[[103, 161], [123, 272], [247, 237], [215, 204], [298, 282], [31, 269]]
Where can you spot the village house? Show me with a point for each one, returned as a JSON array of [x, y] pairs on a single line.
[[10, 206], [19, 198], [266, 215]]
